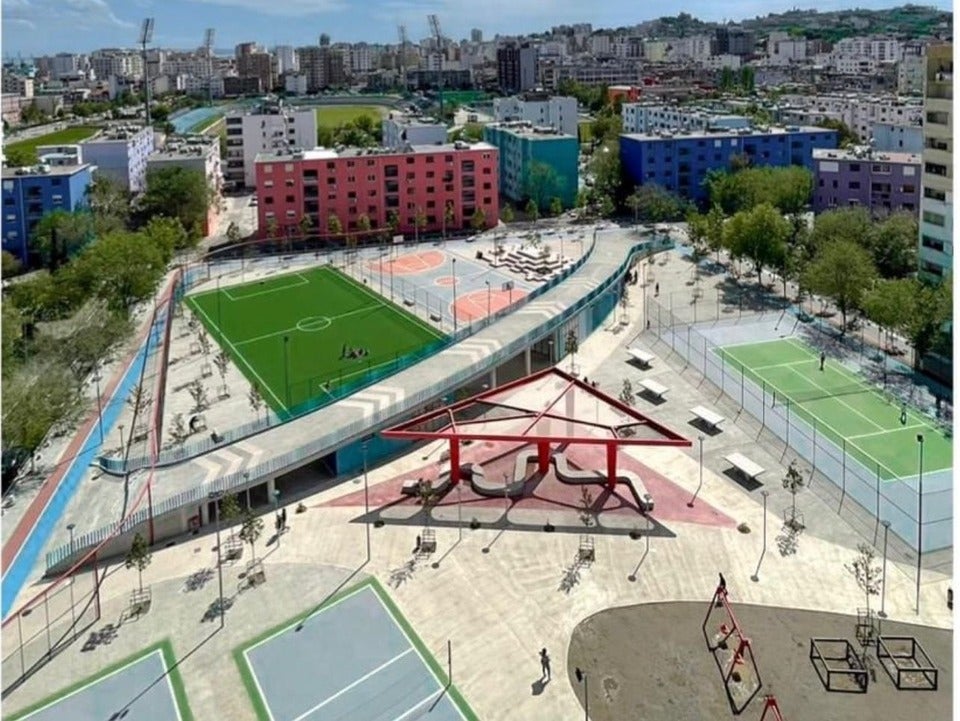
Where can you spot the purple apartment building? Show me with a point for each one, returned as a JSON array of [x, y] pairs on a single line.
[[883, 182]]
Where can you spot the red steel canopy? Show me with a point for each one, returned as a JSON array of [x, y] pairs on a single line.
[[548, 407]]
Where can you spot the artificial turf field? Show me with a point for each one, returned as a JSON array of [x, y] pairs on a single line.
[[314, 313], [845, 407], [333, 116]]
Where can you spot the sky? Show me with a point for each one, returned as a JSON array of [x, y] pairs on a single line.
[[38, 27]]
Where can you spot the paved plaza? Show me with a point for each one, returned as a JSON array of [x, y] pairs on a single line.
[[499, 592]]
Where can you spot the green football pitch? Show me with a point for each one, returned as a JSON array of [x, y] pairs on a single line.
[[288, 333], [846, 409]]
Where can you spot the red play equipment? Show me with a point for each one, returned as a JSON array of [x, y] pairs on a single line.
[[770, 705], [574, 413]]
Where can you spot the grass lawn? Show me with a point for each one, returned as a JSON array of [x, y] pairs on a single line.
[[287, 334], [61, 137], [333, 116], [843, 407]]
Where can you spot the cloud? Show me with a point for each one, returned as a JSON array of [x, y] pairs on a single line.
[[285, 8], [62, 14]]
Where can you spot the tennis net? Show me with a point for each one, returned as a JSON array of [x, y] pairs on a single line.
[[806, 396]]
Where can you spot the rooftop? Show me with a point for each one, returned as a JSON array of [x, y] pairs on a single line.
[[529, 130], [117, 132], [194, 146], [34, 171], [863, 153], [342, 152], [412, 120], [726, 132]]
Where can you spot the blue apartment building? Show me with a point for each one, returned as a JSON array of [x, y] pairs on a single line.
[[679, 161], [522, 144], [30, 193]]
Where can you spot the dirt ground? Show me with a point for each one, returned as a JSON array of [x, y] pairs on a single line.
[[651, 662]]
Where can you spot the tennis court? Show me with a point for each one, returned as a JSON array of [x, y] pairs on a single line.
[[303, 334], [354, 658], [144, 687], [843, 407]]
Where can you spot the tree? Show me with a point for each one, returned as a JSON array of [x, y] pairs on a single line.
[[540, 183], [930, 308], [556, 206], [571, 345], [199, 395], [478, 221], [19, 156], [222, 361], [842, 271], [305, 225], [123, 269], [31, 406], [250, 530], [255, 399], [233, 232], [60, 235], [793, 481], [532, 211], [759, 234], [713, 229], [583, 202], [608, 180], [866, 574], [845, 135], [167, 234], [9, 265], [393, 221], [893, 245], [653, 203], [203, 339], [449, 216], [607, 206], [178, 430], [176, 192], [334, 226], [419, 223], [110, 204], [273, 228], [506, 213], [364, 224], [138, 557], [852, 225], [139, 401], [230, 509], [889, 304]]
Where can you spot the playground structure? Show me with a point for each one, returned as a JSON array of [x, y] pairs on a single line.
[[907, 664], [733, 653], [839, 666]]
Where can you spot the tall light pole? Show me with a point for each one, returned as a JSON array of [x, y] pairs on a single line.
[[73, 615], [919, 517], [756, 576], [488, 303], [286, 367], [883, 583], [700, 484], [219, 314], [123, 455], [215, 496], [96, 379], [453, 265], [366, 497]]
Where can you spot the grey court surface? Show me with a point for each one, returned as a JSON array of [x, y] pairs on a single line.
[[104, 696], [349, 661]]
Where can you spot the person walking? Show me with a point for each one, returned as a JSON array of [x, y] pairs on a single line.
[[823, 358], [656, 290], [544, 664]]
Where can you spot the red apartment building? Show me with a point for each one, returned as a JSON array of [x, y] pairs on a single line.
[[372, 182]]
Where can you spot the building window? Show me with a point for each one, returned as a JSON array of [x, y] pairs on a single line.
[[934, 194], [853, 185], [291, 199], [268, 200], [934, 218], [908, 189], [288, 167], [268, 168], [932, 243]]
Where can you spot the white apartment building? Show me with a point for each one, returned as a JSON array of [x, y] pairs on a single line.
[[655, 50], [601, 44], [401, 130], [120, 153], [286, 59], [719, 62], [859, 112], [854, 64], [541, 109], [936, 201], [695, 47], [645, 118], [360, 58], [66, 64], [880, 49], [295, 83], [115, 62], [911, 70], [270, 128], [18, 85]]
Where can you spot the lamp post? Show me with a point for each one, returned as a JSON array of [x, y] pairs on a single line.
[[276, 510], [883, 582], [219, 313], [919, 516], [366, 497], [700, 484], [488, 302], [70, 527], [122, 454], [582, 678], [96, 380], [286, 367], [453, 265], [215, 496], [756, 576]]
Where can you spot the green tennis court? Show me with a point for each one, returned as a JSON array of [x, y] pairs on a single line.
[[312, 332], [844, 407]]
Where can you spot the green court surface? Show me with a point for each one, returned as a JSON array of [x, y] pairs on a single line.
[[287, 333], [846, 409], [333, 116]]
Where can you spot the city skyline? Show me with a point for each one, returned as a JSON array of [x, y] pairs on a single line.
[[43, 27]]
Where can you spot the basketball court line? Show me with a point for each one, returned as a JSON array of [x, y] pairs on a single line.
[[303, 281], [240, 355], [838, 399]]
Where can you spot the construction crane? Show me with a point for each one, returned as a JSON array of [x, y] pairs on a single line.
[[435, 29], [146, 35], [402, 35], [208, 48]]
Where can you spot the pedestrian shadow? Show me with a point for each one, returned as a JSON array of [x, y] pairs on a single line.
[[539, 685]]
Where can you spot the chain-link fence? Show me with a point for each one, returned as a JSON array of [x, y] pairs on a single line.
[[856, 475]]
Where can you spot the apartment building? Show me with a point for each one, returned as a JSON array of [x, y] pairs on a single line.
[[884, 182], [680, 161], [522, 147], [30, 193], [539, 108], [200, 153], [375, 183], [516, 67], [120, 153], [268, 128], [936, 204], [650, 117], [858, 111], [896, 138], [400, 130]]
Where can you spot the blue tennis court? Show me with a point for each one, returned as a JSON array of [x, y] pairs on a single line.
[[354, 659], [137, 689]]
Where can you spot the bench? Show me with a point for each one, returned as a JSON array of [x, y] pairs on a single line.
[[641, 356], [711, 418], [748, 468], [657, 390]]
